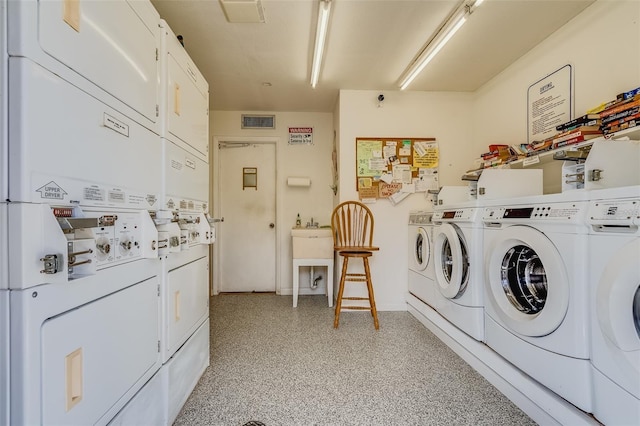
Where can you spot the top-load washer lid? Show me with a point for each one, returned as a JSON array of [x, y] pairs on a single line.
[[527, 281], [451, 261]]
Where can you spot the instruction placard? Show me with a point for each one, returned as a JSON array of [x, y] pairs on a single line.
[[549, 103]]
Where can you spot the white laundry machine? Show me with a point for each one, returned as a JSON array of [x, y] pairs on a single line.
[[421, 271], [184, 97], [458, 266], [614, 288], [109, 50], [536, 308]]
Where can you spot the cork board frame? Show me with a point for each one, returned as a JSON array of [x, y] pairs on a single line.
[[398, 157]]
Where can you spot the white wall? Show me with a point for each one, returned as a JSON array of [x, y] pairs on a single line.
[[313, 161], [403, 114], [603, 46]]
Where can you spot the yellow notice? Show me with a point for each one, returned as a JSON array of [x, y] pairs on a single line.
[[71, 13], [370, 192], [426, 155], [365, 151], [365, 183]]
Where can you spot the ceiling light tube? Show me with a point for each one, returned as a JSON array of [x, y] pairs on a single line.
[[432, 49], [321, 35]]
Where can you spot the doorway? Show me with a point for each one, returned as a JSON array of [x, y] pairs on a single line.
[[247, 239]]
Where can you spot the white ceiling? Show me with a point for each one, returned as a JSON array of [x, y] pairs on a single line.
[[370, 43]]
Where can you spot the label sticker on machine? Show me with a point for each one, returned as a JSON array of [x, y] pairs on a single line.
[[116, 196], [115, 124], [51, 191], [190, 163], [93, 193], [176, 164]]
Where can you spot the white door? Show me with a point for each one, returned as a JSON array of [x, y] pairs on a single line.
[[247, 238]]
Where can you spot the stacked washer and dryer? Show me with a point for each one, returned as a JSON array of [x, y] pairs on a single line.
[[80, 190], [184, 233]]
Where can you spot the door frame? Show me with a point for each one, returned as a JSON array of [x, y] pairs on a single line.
[[216, 194]]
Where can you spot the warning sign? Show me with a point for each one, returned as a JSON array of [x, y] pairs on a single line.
[[300, 135]]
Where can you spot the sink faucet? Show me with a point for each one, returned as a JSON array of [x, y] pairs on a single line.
[[312, 224]]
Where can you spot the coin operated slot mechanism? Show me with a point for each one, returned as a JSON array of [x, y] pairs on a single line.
[[168, 233]]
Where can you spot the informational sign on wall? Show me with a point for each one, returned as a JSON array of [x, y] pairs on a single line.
[[300, 135], [393, 168], [549, 103]]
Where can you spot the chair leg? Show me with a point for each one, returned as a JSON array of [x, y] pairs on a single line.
[[372, 301], [336, 321]]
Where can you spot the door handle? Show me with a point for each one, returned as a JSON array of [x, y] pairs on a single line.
[[272, 225]]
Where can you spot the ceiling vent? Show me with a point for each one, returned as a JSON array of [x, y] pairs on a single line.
[[243, 11], [250, 121]]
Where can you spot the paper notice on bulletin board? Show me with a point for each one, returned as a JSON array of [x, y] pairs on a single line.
[[426, 155], [367, 150]]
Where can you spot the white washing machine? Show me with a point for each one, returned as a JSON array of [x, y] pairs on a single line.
[[614, 276], [421, 271], [458, 266], [536, 304]]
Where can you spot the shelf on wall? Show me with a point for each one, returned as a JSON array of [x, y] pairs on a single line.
[[546, 156]]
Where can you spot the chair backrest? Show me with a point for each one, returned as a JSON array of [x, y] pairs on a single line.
[[352, 225]]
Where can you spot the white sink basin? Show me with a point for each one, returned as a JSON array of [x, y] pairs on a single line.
[[312, 243]]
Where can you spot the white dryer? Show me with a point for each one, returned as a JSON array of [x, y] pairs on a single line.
[[536, 309], [458, 266], [421, 271], [614, 276]]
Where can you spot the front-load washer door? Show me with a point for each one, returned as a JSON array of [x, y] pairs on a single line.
[[527, 281], [422, 249], [451, 261], [618, 301]]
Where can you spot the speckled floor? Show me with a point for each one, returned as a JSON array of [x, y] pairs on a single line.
[[284, 366]]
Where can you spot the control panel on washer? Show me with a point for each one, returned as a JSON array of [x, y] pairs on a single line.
[[462, 215], [420, 218], [614, 212], [538, 212]]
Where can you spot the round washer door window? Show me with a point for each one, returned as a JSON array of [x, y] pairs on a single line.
[[422, 249], [618, 298], [527, 281], [451, 261]]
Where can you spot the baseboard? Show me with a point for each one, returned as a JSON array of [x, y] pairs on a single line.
[[539, 403]]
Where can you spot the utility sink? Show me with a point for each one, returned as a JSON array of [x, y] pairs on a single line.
[[312, 243]]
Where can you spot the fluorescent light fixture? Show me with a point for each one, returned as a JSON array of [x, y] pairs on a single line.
[[321, 35], [437, 43]]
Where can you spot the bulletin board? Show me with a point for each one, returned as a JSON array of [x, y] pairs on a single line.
[[395, 167]]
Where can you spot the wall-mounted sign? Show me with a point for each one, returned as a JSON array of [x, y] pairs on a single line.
[[300, 135], [549, 103]]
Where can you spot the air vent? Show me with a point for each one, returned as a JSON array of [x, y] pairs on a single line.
[[258, 121], [243, 11]]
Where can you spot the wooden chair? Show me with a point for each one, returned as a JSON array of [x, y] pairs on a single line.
[[352, 229]]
